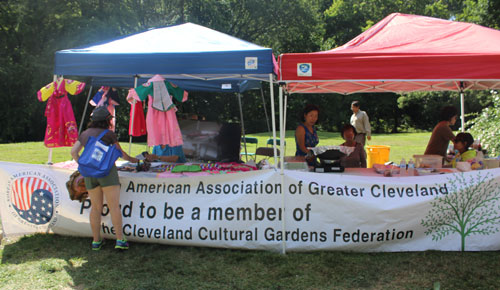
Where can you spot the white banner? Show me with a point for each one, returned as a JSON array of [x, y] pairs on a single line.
[[328, 211]]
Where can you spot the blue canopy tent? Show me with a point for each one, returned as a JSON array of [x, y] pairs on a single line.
[[194, 57], [180, 52]]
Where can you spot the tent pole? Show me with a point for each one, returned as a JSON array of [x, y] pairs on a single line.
[[132, 120], [49, 159], [243, 127], [284, 124], [273, 122], [265, 109], [281, 114], [282, 107], [462, 106], [282, 176], [85, 110]]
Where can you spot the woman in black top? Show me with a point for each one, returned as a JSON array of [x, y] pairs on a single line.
[[108, 186]]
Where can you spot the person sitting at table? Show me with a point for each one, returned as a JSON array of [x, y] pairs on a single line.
[[358, 157], [305, 134], [166, 153], [463, 141], [442, 133]]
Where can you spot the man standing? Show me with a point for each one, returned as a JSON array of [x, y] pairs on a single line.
[[360, 121]]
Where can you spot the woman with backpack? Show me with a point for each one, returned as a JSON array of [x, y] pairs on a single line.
[[103, 187]]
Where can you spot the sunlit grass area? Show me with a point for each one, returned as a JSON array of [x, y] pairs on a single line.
[[402, 145], [58, 262]]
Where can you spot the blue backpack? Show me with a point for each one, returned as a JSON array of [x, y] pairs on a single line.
[[98, 158]]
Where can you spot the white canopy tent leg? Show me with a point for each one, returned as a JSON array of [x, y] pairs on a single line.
[[49, 158], [49, 161], [273, 121], [243, 127], [132, 120], [265, 109], [284, 128], [282, 175], [85, 111], [462, 109]]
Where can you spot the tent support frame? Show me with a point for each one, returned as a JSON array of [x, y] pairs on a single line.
[[85, 110], [282, 173], [462, 106], [243, 127], [132, 120]]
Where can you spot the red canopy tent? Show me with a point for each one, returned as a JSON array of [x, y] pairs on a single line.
[[401, 53]]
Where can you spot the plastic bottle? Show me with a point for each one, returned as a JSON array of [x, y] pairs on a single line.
[[402, 167], [411, 168], [451, 149], [479, 155]]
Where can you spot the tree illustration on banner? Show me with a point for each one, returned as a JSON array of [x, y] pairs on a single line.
[[471, 208]]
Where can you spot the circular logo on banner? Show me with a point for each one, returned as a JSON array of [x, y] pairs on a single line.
[[32, 197], [304, 69]]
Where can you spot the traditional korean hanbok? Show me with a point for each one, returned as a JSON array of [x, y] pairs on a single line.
[[137, 123], [107, 97], [61, 124], [161, 121]]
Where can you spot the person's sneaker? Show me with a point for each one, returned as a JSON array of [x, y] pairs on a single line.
[[121, 244], [96, 246]]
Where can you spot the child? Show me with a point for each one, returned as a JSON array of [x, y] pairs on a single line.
[[461, 144]]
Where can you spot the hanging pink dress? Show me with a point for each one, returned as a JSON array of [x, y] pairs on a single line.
[[137, 122], [61, 124], [161, 121]]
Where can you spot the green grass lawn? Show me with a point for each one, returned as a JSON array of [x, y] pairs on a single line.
[[402, 145], [37, 153], [59, 262]]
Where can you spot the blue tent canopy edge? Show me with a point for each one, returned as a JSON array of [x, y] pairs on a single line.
[[194, 57]]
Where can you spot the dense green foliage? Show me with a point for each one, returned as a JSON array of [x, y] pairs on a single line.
[[31, 32], [481, 127]]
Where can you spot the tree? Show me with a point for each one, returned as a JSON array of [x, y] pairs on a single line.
[[286, 26], [483, 126], [471, 208], [345, 19], [32, 31]]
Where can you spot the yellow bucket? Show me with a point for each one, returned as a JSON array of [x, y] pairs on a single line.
[[377, 154]]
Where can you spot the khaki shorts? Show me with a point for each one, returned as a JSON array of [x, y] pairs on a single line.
[[109, 180]]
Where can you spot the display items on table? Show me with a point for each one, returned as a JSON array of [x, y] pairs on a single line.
[[386, 169], [61, 128], [329, 158], [390, 169], [490, 163], [428, 161], [205, 168]]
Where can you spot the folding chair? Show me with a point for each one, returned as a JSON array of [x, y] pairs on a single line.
[[278, 143], [254, 144], [268, 151]]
